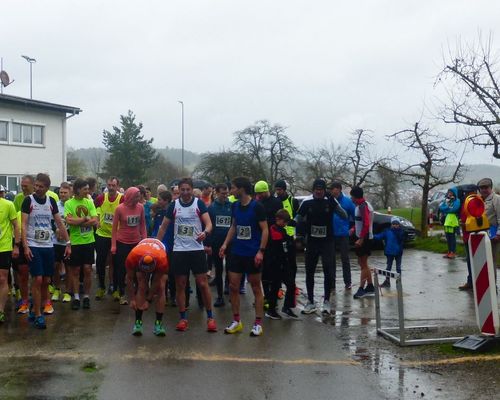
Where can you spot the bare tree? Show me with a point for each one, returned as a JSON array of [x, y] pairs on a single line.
[[361, 163], [226, 165], [269, 147], [470, 77], [96, 161], [433, 153], [387, 186]]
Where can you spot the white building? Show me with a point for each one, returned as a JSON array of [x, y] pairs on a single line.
[[32, 139]]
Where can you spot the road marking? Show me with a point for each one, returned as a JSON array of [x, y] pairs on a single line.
[[450, 361]]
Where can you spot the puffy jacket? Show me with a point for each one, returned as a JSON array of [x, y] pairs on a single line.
[[393, 241], [341, 225], [451, 209]]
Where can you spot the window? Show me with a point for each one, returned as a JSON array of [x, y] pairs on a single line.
[[28, 134], [4, 131], [12, 183]]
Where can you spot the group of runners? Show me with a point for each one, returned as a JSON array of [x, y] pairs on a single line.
[[244, 231]]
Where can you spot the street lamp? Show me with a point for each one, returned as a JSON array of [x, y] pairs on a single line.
[[31, 61], [182, 108]]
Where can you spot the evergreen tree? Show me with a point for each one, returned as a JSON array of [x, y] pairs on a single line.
[[130, 155]]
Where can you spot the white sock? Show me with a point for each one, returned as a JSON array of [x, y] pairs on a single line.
[[77, 296]]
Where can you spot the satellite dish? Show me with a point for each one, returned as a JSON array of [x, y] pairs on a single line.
[[4, 78]]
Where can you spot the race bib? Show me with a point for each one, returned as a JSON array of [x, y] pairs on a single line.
[[185, 230], [108, 218], [42, 235], [318, 231], [243, 232], [85, 230], [222, 221], [133, 220], [285, 247]]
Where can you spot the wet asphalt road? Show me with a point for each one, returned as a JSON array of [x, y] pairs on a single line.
[[91, 354]]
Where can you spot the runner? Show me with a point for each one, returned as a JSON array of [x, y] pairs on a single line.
[[129, 228], [147, 262], [220, 215], [27, 182], [317, 210], [38, 209], [363, 230], [65, 193], [106, 205], [248, 238], [188, 215], [81, 216], [8, 229]]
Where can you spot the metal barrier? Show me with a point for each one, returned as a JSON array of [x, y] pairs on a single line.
[[391, 333]]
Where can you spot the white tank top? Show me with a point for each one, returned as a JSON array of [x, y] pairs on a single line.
[[187, 226], [39, 232]]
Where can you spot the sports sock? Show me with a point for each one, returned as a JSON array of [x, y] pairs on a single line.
[[182, 314], [138, 315], [77, 296], [236, 317], [210, 314], [258, 321], [159, 316]]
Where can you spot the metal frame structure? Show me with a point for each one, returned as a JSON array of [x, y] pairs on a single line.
[[391, 333]]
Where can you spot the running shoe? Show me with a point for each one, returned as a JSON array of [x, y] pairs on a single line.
[[66, 298], [159, 329], [86, 303], [2, 316], [281, 294], [369, 290], [48, 309], [100, 293], [51, 289], [219, 302], [116, 295], [360, 293], [348, 286], [309, 308], [23, 308], [40, 322], [211, 325], [137, 331], [123, 301], [327, 308], [256, 330], [182, 325], [273, 314], [75, 304], [289, 313], [465, 286], [234, 327], [56, 295]]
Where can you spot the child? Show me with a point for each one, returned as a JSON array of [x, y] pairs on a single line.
[[450, 207], [281, 271], [393, 238]]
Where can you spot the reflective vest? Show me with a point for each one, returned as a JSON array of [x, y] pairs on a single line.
[[288, 205], [106, 214]]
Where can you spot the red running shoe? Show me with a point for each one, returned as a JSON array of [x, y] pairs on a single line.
[[182, 325], [211, 325]]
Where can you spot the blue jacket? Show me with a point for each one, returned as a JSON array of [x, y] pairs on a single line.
[[341, 225], [447, 206], [220, 215], [393, 241]]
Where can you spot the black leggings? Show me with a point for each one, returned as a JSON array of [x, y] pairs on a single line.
[[122, 251], [326, 249], [102, 249]]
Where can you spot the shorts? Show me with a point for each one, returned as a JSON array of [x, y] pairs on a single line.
[[5, 259], [42, 263], [82, 254], [243, 265], [365, 249], [184, 261], [21, 260], [59, 252]]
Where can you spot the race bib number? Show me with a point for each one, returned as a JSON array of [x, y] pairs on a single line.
[[185, 230], [285, 247], [108, 218], [243, 232], [318, 231], [222, 221], [85, 230], [42, 235], [133, 220]]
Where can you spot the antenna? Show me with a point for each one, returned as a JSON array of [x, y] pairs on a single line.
[[4, 78]]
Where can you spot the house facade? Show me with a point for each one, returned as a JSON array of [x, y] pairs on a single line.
[[32, 139]]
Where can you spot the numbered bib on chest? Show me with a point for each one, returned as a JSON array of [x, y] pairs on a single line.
[[222, 221], [318, 231], [185, 230], [243, 232], [85, 230], [42, 235], [133, 220], [108, 218]]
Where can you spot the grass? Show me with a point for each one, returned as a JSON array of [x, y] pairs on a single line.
[[435, 245], [90, 367], [411, 214], [449, 350]]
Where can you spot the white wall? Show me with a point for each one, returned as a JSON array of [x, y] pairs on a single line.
[[18, 159]]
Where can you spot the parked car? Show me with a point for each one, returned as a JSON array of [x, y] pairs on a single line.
[[433, 207]]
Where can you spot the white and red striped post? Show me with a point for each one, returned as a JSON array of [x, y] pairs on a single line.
[[483, 280]]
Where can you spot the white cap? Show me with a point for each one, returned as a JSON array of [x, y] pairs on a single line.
[[2, 188]]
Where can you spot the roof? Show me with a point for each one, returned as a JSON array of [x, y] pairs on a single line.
[[37, 104]]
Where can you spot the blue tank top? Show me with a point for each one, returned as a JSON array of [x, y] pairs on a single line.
[[247, 237]]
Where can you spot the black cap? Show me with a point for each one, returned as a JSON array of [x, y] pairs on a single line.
[[357, 192], [319, 184], [280, 184], [335, 185]]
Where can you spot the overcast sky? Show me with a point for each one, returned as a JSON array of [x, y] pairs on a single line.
[[322, 68]]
